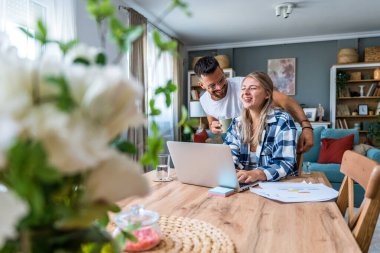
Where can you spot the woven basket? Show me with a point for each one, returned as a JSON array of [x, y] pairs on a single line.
[[372, 54], [347, 55], [223, 61], [195, 59]]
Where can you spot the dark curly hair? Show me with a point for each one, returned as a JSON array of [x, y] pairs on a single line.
[[206, 65]]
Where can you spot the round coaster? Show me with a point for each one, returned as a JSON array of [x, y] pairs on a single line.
[[189, 235]]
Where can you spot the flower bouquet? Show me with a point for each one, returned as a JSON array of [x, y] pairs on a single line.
[[60, 175]]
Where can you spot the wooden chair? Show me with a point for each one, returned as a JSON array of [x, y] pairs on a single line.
[[299, 159], [365, 172]]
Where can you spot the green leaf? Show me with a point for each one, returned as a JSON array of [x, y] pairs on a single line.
[[100, 9], [182, 5], [153, 110], [166, 90], [27, 33], [154, 146], [183, 116], [101, 59], [81, 60], [124, 36], [63, 100], [169, 46], [65, 47]]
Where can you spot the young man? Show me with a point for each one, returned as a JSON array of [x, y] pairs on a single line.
[[222, 101]]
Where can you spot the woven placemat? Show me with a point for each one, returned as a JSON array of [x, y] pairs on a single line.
[[189, 235]]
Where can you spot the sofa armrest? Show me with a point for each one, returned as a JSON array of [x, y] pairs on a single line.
[[374, 154]]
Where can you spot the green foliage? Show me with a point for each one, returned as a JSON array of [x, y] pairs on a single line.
[[40, 34], [374, 131], [168, 46], [63, 100], [167, 90], [154, 147], [342, 78], [101, 59], [100, 9], [186, 124], [124, 36], [123, 145], [152, 107], [66, 46], [182, 5]]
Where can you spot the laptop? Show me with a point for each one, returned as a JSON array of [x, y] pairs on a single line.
[[204, 164]]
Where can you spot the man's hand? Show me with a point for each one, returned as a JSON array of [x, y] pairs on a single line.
[[216, 127], [305, 141]]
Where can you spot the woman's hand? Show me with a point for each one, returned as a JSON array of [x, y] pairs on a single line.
[[249, 176]]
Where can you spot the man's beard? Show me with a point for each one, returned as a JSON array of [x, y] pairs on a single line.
[[221, 93]]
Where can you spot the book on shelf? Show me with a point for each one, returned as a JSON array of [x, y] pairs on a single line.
[[342, 110], [371, 89], [345, 126], [378, 109], [194, 94], [338, 124]]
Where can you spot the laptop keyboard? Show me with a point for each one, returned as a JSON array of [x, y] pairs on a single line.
[[244, 184]]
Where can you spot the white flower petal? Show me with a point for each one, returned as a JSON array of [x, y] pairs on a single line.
[[12, 209], [115, 179]]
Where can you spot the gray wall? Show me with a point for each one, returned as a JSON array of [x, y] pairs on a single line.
[[313, 63]]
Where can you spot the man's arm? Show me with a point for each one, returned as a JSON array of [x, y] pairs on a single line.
[[214, 125], [305, 141]]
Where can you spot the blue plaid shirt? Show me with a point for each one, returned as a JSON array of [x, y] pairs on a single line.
[[276, 152]]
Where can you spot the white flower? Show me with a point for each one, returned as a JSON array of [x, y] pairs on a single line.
[[112, 100], [73, 145], [16, 76], [9, 129], [82, 51], [116, 178], [12, 209]]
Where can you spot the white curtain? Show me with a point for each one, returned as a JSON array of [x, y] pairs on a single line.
[[159, 71], [2, 15], [58, 15], [63, 20]]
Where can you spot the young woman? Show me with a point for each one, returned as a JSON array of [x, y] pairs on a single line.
[[263, 138]]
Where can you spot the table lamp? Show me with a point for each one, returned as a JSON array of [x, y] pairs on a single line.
[[196, 110]]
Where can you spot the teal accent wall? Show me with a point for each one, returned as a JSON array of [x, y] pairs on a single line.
[[313, 63]]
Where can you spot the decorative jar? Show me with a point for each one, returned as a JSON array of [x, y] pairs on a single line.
[[147, 233]]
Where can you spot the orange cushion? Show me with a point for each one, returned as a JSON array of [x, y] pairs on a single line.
[[200, 136], [332, 149]]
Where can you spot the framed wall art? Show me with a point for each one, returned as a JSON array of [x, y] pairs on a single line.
[[310, 113], [283, 74]]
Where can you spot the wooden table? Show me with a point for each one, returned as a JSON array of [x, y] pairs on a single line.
[[256, 224]]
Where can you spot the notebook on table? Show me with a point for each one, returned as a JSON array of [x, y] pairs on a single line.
[[204, 164]]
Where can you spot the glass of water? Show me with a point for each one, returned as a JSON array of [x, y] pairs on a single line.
[[306, 170], [163, 168]]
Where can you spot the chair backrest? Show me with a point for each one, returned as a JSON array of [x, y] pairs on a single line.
[[299, 163], [365, 172]]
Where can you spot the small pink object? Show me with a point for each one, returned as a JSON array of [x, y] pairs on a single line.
[[148, 233]]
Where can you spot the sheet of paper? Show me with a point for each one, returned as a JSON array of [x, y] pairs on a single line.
[[295, 192]]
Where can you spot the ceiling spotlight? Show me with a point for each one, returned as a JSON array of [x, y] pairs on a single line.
[[285, 9]]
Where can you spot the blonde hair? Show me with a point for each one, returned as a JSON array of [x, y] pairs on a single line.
[[250, 135]]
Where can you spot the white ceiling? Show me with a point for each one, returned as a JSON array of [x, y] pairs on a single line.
[[236, 23]]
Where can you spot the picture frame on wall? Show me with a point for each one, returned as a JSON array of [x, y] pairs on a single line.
[[363, 109], [311, 113], [283, 74]]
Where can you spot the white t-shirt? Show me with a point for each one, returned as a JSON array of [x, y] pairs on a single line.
[[228, 107]]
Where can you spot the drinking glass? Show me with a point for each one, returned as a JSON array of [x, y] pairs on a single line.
[[307, 171], [163, 168]]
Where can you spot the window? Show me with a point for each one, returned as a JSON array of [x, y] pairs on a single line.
[[159, 71], [58, 15], [24, 13]]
